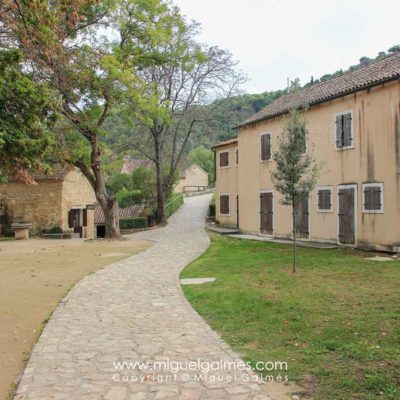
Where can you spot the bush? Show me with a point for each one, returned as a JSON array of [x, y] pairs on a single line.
[[133, 223], [212, 210], [173, 203], [54, 230]]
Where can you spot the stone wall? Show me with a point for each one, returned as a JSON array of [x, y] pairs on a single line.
[[39, 204], [77, 193]]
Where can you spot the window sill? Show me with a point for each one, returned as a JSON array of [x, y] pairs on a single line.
[[228, 166], [325, 211], [373, 211], [344, 148]]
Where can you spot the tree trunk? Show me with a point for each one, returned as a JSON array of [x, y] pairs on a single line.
[[294, 238], [107, 203], [160, 217]]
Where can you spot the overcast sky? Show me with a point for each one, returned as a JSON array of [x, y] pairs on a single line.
[[276, 39]]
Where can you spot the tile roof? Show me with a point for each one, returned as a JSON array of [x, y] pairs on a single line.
[[361, 78], [132, 211], [57, 173], [226, 143], [131, 163]]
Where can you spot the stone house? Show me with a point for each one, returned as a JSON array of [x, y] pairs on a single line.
[[62, 199], [353, 123], [192, 179]]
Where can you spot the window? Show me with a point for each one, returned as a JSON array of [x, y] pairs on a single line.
[[224, 159], [224, 204], [237, 156], [373, 198], [265, 147], [344, 130], [324, 199]]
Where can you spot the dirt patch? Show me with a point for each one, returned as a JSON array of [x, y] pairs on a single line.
[[34, 276]]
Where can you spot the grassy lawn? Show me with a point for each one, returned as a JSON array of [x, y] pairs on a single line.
[[336, 322], [35, 275]]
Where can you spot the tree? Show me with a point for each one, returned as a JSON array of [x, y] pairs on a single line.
[[27, 115], [62, 46], [204, 158], [296, 174], [171, 112]]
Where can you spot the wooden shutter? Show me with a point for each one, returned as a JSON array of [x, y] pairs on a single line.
[[224, 204], [376, 198], [324, 199], [84, 217], [70, 218], [339, 131], [347, 135], [265, 147], [237, 156], [224, 159], [368, 201]]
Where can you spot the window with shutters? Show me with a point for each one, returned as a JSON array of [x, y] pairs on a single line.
[[265, 144], [224, 203], [324, 198], [237, 156], [224, 159], [344, 137], [373, 198]]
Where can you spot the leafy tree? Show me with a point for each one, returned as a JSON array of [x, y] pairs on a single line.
[[138, 187], [171, 112], [27, 114], [296, 174], [204, 158], [62, 46]]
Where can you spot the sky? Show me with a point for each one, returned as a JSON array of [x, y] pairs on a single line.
[[278, 39]]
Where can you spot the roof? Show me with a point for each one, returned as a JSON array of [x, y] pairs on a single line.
[[131, 163], [226, 143], [372, 74], [128, 212], [57, 173]]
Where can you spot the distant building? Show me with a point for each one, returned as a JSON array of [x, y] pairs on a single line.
[[192, 179], [63, 199], [353, 123]]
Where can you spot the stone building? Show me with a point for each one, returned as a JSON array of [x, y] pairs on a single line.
[[353, 128], [192, 179], [63, 199]]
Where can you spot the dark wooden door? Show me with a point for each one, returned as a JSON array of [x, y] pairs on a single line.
[[346, 216], [302, 219], [266, 213]]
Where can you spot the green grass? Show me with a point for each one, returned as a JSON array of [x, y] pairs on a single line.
[[336, 322]]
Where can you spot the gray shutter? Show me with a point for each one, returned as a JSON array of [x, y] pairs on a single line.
[[368, 202], [376, 198], [321, 199], [328, 199], [347, 130], [268, 146], [339, 131]]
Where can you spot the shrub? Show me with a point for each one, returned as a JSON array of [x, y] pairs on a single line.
[[133, 223], [173, 203]]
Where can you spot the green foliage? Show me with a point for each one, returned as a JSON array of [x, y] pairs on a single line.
[[173, 204], [336, 325], [138, 187], [126, 197], [204, 158], [133, 223], [27, 114], [296, 173]]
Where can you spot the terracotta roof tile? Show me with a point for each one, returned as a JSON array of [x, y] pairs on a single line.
[[363, 77], [132, 211], [226, 143], [130, 164]]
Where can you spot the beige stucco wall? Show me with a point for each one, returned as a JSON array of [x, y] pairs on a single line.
[[194, 176], [374, 158], [39, 204], [227, 182], [77, 193]]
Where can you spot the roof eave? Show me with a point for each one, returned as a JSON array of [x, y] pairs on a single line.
[[338, 96]]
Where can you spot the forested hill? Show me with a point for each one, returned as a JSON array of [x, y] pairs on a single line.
[[232, 111]]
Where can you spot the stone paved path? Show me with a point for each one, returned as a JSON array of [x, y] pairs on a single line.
[[134, 310]]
